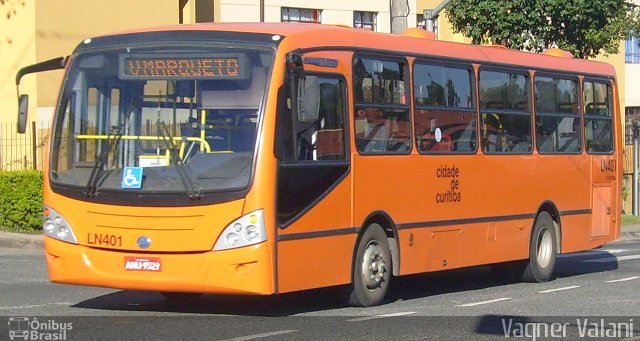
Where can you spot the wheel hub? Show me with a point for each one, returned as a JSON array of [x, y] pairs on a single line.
[[545, 248], [374, 266]]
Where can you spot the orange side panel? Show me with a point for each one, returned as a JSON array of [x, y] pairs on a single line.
[[309, 261], [314, 263]]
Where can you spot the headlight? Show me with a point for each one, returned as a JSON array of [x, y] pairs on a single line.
[[55, 226], [246, 230]]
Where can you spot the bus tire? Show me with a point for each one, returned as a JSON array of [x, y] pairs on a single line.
[[371, 269], [542, 250], [180, 296]]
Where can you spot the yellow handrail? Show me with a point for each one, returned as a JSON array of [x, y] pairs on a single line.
[[202, 141]]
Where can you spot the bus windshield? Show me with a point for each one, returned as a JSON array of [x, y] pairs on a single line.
[[161, 120]]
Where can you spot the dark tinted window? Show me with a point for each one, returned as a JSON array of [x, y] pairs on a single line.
[[382, 124], [379, 81], [598, 117], [444, 116], [442, 86], [556, 95], [558, 127], [501, 90], [506, 117]]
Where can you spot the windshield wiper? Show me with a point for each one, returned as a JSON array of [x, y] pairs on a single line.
[[190, 187], [114, 137], [98, 166]]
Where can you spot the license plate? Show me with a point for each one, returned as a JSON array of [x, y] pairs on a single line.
[[152, 264]]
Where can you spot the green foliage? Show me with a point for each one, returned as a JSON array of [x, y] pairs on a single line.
[[585, 28], [21, 201], [630, 220]]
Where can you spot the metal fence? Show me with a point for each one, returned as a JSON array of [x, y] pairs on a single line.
[[23, 151]]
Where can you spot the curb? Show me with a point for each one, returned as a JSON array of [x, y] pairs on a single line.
[[629, 236], [21, 241]]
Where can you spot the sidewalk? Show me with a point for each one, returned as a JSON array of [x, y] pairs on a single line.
[[30, 241], [629, 232], [21, 241]]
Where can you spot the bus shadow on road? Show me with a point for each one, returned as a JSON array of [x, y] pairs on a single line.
[[319, 300]]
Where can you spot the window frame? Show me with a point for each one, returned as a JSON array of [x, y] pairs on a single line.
[[372, 26], [473, 85], [346, 126], [380, 105], [284, 9], [610, 105], [579, 114], [508, 70]]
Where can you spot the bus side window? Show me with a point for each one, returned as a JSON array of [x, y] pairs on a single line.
[[598, 117], [382, 120], [505, 112]]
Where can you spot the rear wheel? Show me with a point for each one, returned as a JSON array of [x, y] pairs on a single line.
[[542, 250], [371, 268]]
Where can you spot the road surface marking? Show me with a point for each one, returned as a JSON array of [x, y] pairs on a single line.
[[608, 251], [484, 302], [263, 335], [34, 305], [623, 279], [558, 289], [611, 259], [367, 318]]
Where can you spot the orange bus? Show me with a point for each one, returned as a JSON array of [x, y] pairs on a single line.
[[270, 158]]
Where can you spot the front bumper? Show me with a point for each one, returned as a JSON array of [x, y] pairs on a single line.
[[246, 270]]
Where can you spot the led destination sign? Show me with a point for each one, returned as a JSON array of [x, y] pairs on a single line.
[[217, 67]]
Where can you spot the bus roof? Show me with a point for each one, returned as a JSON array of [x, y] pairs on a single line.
[[305, 35]]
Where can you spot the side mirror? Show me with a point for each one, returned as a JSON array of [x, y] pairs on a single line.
[[23, 109], [308, 99]]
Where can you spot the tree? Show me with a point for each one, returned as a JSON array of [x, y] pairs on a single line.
[[11, 7], [586, 28]]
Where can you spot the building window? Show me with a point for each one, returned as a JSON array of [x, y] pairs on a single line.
[[632, 50], [632, 114], [305, 15], [365, 20]]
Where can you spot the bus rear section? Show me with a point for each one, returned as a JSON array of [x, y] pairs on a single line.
[[153, 156]]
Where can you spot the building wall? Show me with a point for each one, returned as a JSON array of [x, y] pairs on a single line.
[[55, 37], [334, 12], [41, 30], [17, 49], [444, 29], [632, 78]]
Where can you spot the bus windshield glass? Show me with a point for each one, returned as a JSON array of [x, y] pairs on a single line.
[[161, 120]]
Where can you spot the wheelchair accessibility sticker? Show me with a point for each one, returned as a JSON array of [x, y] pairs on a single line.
[[132, 177]]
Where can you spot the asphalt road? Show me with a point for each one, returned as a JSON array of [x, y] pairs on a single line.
[[599, 286]]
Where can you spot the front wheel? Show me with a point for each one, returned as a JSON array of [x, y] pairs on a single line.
[[371, 268], [542, 250]]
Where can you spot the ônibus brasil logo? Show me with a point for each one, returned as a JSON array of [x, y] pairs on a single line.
[[25, 328]]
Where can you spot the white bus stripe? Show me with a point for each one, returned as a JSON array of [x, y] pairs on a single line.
[[484, 302], [623, 279], [263, 335], [367, 318], [558, 289]]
